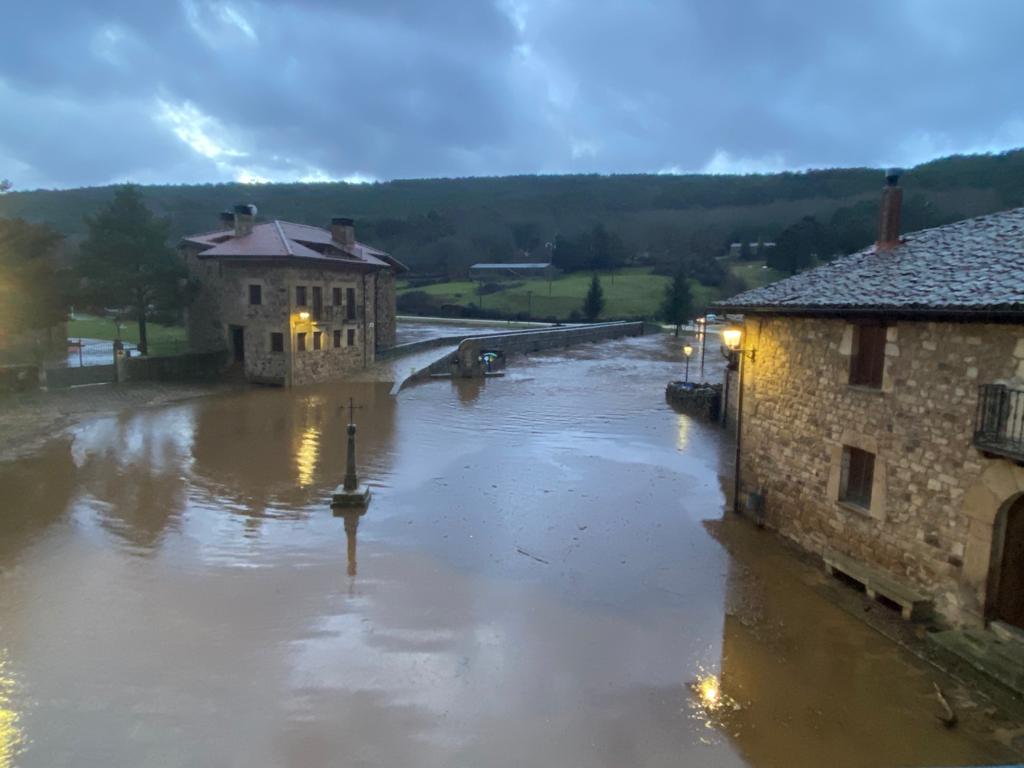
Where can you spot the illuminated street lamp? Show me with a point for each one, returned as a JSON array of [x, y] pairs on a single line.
[[687, 351], [731, 338], [734, 353], [303, 315]]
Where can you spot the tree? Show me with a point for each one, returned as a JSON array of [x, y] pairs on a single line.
[[799, 245], [745, 254], [593, 303], [126, 261], [5, 185], [32, 293], [677, 307], [527, 235], [759, 252]]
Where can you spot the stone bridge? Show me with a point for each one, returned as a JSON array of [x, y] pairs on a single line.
[[465, 360]]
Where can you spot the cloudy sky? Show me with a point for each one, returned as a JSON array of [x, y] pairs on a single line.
[[99, 91]]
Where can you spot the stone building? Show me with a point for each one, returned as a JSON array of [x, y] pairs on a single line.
[[882, 412], [293, 304]]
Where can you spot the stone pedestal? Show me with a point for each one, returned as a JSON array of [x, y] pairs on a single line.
[[343, 499]]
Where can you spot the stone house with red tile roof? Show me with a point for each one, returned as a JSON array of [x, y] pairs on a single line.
[[293, 304], [882, 410]]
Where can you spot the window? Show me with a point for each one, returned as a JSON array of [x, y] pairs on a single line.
[[277, 342], [337, 339], [318, 302], [317, 339], [336, 296], [255, 295], [300, 342], [300, 296], [868, 358], [350, 303], [351, 337], [858, 472]]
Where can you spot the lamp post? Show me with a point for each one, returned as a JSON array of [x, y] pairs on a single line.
[[687, 351], [734, 353]]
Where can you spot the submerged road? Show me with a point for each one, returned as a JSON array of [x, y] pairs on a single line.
[[544, 578]]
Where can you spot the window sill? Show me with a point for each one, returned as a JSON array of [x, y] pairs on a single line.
[[850, 506]]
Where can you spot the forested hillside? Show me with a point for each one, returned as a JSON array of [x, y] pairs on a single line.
[[440, 226]]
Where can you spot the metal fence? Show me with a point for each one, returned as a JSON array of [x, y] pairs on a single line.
[[999, 422]]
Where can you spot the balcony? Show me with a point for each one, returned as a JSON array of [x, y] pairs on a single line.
[[999, 423]]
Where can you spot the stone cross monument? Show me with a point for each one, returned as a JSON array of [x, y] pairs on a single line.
[[351, 495]]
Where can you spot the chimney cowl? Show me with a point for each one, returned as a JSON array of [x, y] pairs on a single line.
[[227, 219], [247, 209], [892, 176]]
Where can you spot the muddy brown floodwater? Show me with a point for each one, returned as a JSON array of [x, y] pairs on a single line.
[[544, 578]]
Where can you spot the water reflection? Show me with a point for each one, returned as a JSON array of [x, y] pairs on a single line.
[[351, 517], [306, 456], [11, 737], [802, 678], [276, 454]]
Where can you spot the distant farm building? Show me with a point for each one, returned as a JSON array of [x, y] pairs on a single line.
[[736, 248], [511, 271]]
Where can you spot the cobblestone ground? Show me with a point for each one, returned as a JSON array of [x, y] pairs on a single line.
[[27, 421]]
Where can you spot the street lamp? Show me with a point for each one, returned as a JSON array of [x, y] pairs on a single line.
[[303, 316], [687, 351], [734, 353]]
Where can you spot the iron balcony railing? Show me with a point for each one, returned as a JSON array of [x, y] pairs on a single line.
[[999, 423]]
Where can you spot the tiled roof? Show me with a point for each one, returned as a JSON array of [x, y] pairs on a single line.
[[285, 239], [971, 265]]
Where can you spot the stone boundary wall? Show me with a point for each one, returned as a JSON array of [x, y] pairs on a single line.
[[62, 378], [186, 367], [18, 378]]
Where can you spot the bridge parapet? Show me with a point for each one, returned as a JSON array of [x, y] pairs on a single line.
[[466, 363]]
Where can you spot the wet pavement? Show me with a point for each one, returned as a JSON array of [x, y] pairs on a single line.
[[544, 577]]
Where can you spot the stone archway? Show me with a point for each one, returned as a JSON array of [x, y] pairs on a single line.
[[999, 487]]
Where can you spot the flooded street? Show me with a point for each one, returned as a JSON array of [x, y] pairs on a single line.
[[544, 578]]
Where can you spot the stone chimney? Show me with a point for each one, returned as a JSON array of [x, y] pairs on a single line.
[[227, 220], [343, 230], [245, 217], [889, 218]]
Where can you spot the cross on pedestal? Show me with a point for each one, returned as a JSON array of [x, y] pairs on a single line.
[[351, 494]]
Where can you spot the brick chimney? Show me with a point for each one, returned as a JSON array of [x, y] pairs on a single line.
[[889, 218], [227, 220], [245, 217], [343, 230]]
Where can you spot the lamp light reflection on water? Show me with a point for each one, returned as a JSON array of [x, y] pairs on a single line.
[[307, 455], [10, 735], [683, 432]]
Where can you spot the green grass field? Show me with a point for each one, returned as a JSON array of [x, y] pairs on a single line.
[[632, 292], [163, 339]]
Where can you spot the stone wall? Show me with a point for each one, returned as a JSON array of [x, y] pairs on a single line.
[[799, 412], [385, 304]]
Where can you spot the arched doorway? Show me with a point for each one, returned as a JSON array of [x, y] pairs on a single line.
[[1008, 565]]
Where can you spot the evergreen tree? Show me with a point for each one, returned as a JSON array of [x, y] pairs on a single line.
[[759, 253], [126, 260], [32, 294], [593, 303], [677, 306], [745, 254]]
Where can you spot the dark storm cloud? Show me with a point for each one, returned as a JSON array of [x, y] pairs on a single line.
[[205, 90]]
